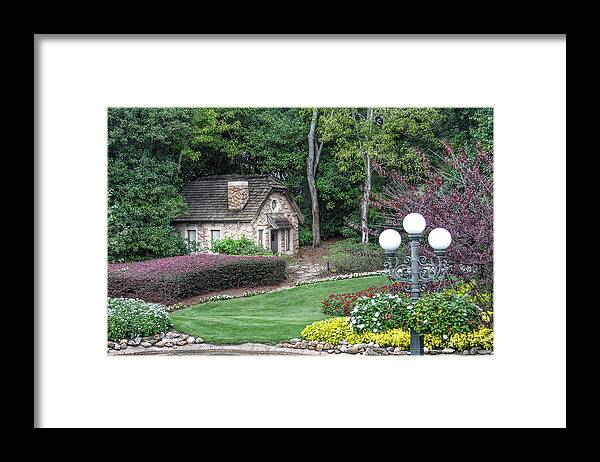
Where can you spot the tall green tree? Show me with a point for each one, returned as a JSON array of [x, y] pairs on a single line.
[[163, 133], [390, 136], [143, 198]]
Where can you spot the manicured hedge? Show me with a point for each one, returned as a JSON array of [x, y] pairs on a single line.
[[168, 280]]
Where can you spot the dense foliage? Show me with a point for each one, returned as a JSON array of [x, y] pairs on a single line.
[[143, 197], [153, 151], [169, 280], [455, 309], [334, 330], [239, 246], [438, 313], [128, 318], [458, 198]]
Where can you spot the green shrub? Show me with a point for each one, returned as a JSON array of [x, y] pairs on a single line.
[[349, 256], [240, 246], [350, 233], [334, 330], [442, 314], [128, 318], [483, 299], [305, 236]]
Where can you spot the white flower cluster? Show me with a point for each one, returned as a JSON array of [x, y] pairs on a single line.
[[215, 298], [341, 276], [368, 312]]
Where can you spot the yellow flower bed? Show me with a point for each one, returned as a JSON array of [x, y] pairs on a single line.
[[336, 329]]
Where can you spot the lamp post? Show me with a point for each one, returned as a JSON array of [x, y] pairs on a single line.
[[415, 269]]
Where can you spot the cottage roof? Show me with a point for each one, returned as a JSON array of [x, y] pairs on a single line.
[[206, 198], [279, 221]]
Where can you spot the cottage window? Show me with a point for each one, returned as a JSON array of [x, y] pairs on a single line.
[[274, 205], [287, 239], [215, 234], [261, 237], [191, 235]]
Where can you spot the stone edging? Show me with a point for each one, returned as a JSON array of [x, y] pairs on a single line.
[[369, 349], [173, 342], [170, 339]]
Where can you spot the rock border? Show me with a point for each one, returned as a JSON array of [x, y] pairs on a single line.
[[169, 339], [369, 349], [173, 342]]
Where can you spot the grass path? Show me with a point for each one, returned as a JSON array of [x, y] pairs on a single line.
[[267, 318]]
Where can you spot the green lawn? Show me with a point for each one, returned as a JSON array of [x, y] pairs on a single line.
[[267, 318]]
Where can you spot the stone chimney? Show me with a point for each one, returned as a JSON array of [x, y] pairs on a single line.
[[237, 194]]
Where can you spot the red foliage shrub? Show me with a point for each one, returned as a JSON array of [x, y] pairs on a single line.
[[168, 280], [341, 304]]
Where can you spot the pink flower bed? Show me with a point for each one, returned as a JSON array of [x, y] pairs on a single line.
[[168, 280]]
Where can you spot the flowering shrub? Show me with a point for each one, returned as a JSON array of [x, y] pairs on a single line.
[[168, 280], [438, 313], [334, 330], [128, 318], [378, 313], [341, 304]]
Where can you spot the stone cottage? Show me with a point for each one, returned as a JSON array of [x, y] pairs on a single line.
[[256, 206]]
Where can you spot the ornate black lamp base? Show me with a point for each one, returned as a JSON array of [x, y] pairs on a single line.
[[416, 344]]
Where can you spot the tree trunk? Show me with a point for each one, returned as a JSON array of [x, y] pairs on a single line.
[[314, 153], [364, 215]]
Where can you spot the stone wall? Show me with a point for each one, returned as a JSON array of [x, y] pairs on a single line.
[[286, 208]]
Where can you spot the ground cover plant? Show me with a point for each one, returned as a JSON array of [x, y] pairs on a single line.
[[268, 318], [168, 280], [128, 318]]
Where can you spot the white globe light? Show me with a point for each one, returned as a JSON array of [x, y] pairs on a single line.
[[390, 240], [439, 239], [414, 223]]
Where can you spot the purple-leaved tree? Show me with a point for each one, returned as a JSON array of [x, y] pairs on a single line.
[[457, 196]]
